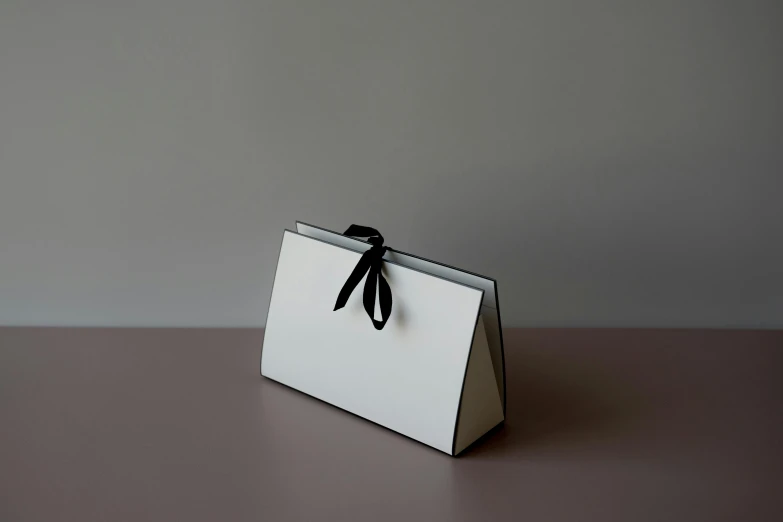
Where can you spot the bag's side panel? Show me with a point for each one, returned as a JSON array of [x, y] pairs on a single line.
[[406, 377], [480, 408], [494, 343]]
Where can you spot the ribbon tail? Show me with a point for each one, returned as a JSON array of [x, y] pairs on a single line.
[[384, 296], [359, 270], [368, 297], [385, 299]]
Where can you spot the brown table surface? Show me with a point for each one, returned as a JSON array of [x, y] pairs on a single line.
[[177, 425]]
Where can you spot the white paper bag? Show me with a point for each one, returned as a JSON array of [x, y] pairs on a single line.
[[434, 372]]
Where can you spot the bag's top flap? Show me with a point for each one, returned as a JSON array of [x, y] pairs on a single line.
[[487, 284]]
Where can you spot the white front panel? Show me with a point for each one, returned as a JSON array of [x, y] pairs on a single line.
[[489, 304], [407, 377]]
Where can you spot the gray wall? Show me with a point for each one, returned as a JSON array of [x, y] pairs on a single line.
[[611, 163]]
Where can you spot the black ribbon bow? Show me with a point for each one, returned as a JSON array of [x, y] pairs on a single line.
[[371, 260]]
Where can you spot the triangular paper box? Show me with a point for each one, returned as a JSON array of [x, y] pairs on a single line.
[[434, 373]]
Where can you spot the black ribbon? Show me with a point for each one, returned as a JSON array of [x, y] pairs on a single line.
[[370, 261]]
